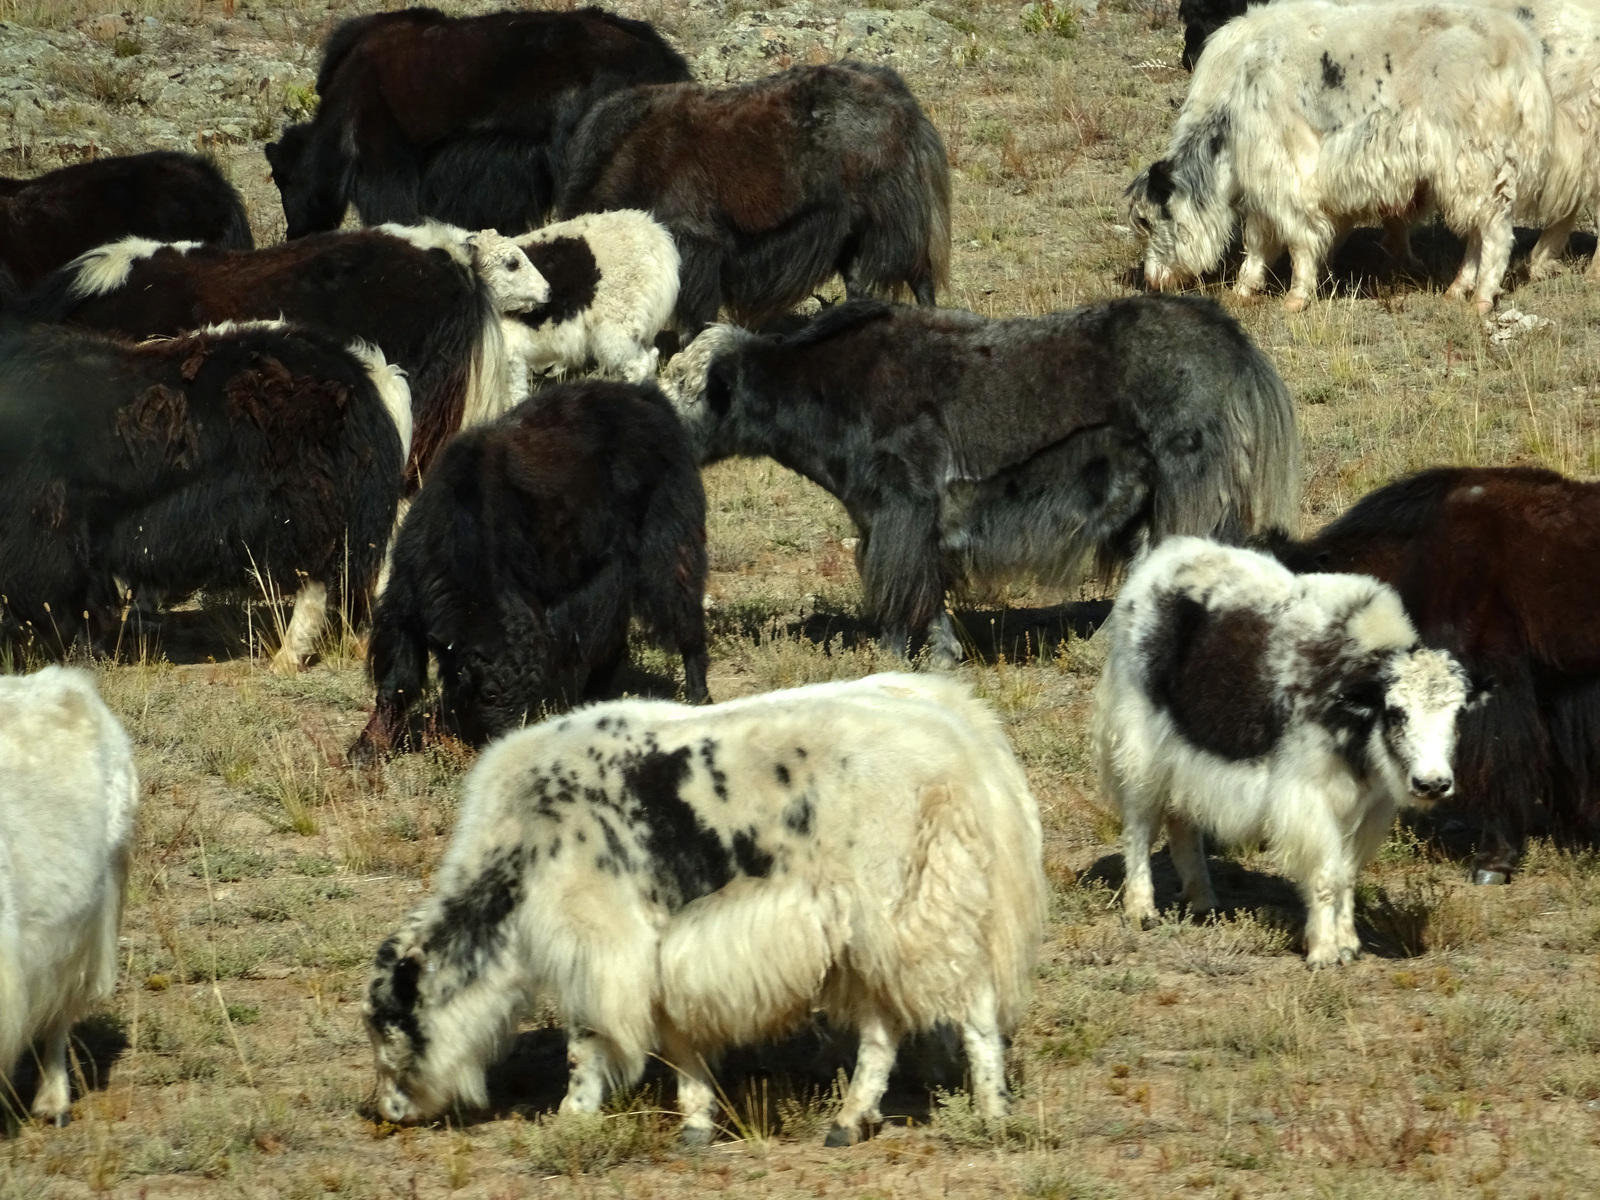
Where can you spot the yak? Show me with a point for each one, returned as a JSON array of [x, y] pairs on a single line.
[[530, 547], [50, 219], [251, 457], [482, 106], [682, 880], [413, 293], [1242, 700], [1493, 565], [772, 187], [969, 450]]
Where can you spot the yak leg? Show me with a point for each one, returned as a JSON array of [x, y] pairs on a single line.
[[697, 1095], [860, 1115], [901, 573], [53, 1101], [591, 1063], [305, 627], [1138, 890], [1467, 277], [1305, 258], [1262, 245], [1495, 256], [1186, 844], [986, 1058], [1545, 260]]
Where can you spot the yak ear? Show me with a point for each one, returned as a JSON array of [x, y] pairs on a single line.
[[720, 379]]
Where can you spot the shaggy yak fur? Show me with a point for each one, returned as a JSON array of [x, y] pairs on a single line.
[[970, 450], [1498, 566], [464, 119], [613, 285], [236, 458], [408, 292], [1245, 701], [523, 558], [682, 880], [1568, 32], [771, 187], [1308, 118], [51, 219], [68, 794]]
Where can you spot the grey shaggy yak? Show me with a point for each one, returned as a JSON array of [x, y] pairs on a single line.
[[770, 188], [970, 450]]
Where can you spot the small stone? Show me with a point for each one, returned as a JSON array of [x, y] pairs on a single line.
[[1490, 878]]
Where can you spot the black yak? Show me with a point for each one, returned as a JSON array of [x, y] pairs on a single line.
[[970, 450], [244, 457], [521, 561], [1494, 565], [416, 298], [482, 105], [771, 187], [1202, 18], [50, 219]]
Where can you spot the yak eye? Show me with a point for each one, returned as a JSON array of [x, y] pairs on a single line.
[[511, 264]]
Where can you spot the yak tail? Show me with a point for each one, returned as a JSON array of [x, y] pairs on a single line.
[[1248, 484], [488, 391], [933, 168]]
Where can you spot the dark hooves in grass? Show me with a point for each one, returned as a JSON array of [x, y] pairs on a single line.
[[840, 1136]]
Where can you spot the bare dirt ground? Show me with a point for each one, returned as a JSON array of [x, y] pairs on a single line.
[[1461, 1057]]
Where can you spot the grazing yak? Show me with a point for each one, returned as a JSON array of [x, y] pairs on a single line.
[[1305, 119], [521, 561], [51, 219], [613, 285], [969, 450], [684, 880], [68, 795], [1496, 565], [1242, 700], [249, 457], [1568, 32], [412, 292], [771, 187], [397, 90]]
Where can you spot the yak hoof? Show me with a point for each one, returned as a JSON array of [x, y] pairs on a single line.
[[1295, 304], [1148, 921], [62, 1119], [840, 1136], [1348, 955], [1485, 307], [694, 1137], [1484, 876]]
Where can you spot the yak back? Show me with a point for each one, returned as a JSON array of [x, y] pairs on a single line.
[[1496, 564], [440, 76], [1000, 390]]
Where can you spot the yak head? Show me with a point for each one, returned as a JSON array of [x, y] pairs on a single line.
[[698, 383], [1424, 691], [1180, 206], [419, 1046], [514, 283], [314, 192]]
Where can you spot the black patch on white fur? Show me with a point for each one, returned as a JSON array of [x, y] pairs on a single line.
[[1332, 72], [781, 774], [471, 926], [1206, 670], [719, 779], [752, 859], [797, 817], [1344, 694], [685, 853], [393, 995], [569, 267]]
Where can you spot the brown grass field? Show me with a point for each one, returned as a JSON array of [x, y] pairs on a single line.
[[1460, 1058]]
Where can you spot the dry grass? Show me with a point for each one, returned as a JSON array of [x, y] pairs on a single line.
[[1460, 1058]]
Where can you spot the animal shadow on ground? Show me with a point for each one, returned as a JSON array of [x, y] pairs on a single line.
[[1271, 899], [1363, 267], [1016, 634], [531, 1077], [97, 1042]]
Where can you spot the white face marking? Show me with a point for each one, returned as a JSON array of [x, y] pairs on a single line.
[[1424, 693]]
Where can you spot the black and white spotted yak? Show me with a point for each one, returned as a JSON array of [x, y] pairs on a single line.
[[969, 450], [464, 119], [528, 550], [683, 880], [1244, 701], [772, 187], [236, 458]]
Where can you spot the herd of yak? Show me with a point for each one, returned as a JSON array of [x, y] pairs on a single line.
[[477, 425]]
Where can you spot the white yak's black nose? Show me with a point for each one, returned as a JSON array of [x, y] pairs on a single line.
[[1435, 788]]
